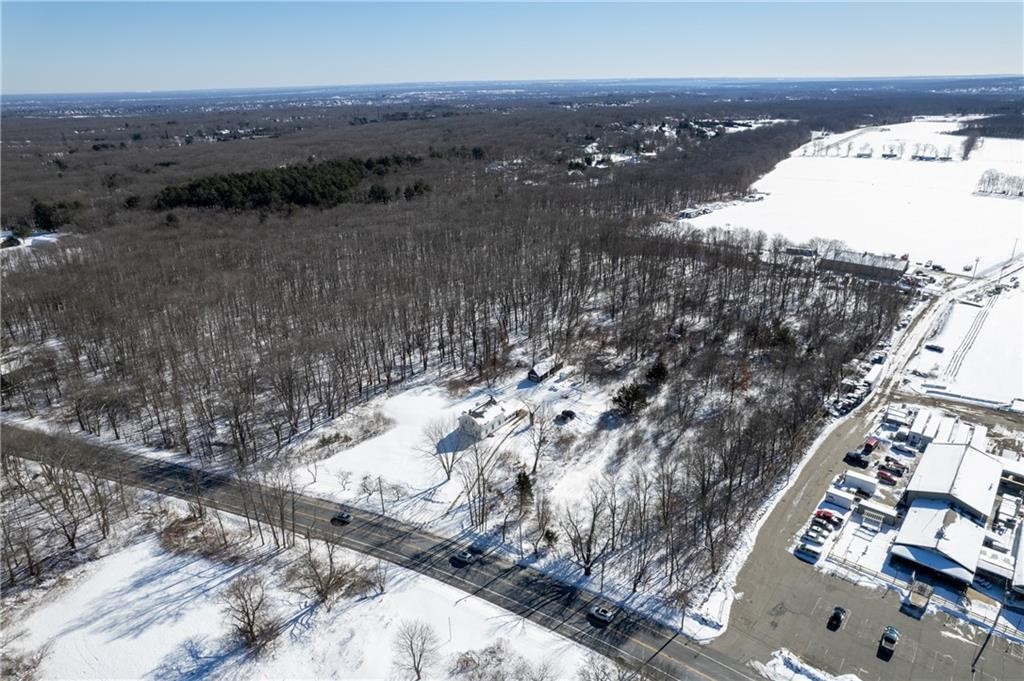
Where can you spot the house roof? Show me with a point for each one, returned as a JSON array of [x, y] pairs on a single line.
[[488, 411], [960, 472], [545, 365], [935, 526]]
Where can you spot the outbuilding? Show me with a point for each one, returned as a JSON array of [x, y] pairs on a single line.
[[541, 370]]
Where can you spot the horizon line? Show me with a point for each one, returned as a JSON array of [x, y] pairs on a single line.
[[435, 83]]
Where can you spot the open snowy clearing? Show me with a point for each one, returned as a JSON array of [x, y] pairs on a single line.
[[146, 613], [981, 355], [927, 209]]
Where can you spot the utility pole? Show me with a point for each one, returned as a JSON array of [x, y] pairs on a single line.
[[1009, 262], [974, 274]]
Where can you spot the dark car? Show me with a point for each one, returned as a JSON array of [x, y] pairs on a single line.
[[887, 644], [568, 414], [341, 518], [838, 617], [602, 614], [886, 477], [895, 471]]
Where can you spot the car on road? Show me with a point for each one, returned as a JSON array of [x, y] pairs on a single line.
[[838, 617], [886, 477], [887, 644], [341, 518], [466, 557], [934, 347], [602, 614]]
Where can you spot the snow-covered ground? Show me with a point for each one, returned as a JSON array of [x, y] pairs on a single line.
[[981, 357], [927, 209], [144, 612], [785, 666], [36, 239]]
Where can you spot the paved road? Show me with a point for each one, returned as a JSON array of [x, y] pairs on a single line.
[[786, 602], [630, 639]]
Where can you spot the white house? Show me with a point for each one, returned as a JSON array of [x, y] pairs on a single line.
[[485, 418]]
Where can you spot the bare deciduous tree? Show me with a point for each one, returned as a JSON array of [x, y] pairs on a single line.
[[415, 646], [247, 608]]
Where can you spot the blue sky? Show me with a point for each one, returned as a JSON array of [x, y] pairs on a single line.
[[96, 47]]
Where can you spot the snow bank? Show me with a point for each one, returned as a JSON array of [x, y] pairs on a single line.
[[785, 666]]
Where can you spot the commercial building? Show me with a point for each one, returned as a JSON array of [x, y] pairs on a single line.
[[864, 264]]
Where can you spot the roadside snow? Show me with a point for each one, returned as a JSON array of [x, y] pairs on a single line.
[[146, 613], [785, 666]]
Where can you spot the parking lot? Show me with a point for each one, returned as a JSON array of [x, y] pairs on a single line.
[[786, 603]]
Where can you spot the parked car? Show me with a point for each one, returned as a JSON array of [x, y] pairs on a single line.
[[829, 517], [895, 464], [466, 557], [902, 448], [601, 614], [568, 414], [808, 552], [812, 536], [894, 471], [837, 618], [890, 637], [825, 525], [341, 518], [886, 477], [934, 347], [859, 459]]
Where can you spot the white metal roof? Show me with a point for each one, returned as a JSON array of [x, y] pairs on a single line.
[[920, 421], [945, 430], [937, 526], [979, 438], [959, 472], [934, 560]]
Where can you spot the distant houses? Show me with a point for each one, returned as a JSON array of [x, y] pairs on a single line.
[[485, 418]]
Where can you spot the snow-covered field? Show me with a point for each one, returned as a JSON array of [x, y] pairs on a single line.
[[927, 209], [976, 337], [144, 612]]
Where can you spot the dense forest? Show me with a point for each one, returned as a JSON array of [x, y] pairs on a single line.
[[1005, 125], [177, 317]]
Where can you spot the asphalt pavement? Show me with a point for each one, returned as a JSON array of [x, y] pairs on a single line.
[[637, 642]]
